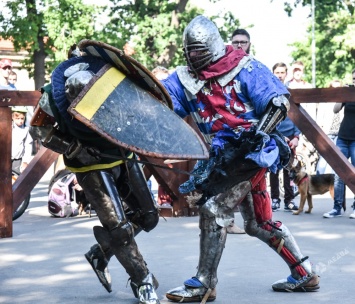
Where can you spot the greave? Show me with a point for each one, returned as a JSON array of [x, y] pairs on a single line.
[[132, 260], [278, 237], [103, 238], [212, 242], [285, 245]]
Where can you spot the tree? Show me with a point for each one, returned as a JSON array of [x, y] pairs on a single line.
[[335, 40], [154, 28], [46, 29]]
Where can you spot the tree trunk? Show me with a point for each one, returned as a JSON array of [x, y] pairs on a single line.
[[39, 57], [165, 58], [39, 54]]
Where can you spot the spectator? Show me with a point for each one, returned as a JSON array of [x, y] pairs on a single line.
[[241, 40], [12, 79], [346, 143], [21, 140], [336, 83], [5, 68], [297, 81], [288, 129], [164, 199], [160, 72], [128, 49]]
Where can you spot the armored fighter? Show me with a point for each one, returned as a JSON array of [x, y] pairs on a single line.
[[88, 114], [236, 102]]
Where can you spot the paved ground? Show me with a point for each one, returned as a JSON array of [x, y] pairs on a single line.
[[43, 262]]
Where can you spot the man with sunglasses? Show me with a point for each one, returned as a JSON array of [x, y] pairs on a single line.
[[241, 40]]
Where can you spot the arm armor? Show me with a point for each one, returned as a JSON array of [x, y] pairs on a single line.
[[51, 138], [55, 140], [42, 127], [275, 112]]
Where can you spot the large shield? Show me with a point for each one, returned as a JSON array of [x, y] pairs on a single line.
[[128, 106]]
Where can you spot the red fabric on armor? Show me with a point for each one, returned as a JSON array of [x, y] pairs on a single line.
[[220, 108], [224, 64], [257, 178], [261, 198], [263, 213], [285, 253]]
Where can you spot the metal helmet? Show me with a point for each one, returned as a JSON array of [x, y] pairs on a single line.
[[202, 36], [21, 109]]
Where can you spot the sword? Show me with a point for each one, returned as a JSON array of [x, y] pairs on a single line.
[[173, 161]]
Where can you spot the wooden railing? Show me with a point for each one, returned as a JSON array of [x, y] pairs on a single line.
[[12, 195]]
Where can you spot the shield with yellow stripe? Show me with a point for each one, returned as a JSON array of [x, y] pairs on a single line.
[[117, 105]]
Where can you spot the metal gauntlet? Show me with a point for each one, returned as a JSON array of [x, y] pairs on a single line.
[[275, 113], [53, 139]]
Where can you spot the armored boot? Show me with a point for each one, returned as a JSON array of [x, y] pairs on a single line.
[[143, 283], [202, 287], [302, 277], [280, 239], [145, 291], [99, 260]]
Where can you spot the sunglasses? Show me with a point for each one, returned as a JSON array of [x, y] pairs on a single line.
[[6, 68], [242, 43]]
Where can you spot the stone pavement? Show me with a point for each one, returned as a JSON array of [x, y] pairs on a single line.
[[44, 261]]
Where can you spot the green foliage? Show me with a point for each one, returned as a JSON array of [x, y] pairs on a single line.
[[154, 29], [335, 40], [47, 29], [75, 22], [46, 26]]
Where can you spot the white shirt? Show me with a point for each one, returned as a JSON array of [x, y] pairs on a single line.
[[21, 143]]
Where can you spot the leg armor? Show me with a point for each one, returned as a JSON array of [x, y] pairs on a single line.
[[256, 212], [116, 237], [99, 262], [110, 212], [212, 242], [215, 215], [202, 287], [143, 283], [134, 190], [100, 189]]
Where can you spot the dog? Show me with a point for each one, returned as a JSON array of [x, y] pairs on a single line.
[[309, 185]]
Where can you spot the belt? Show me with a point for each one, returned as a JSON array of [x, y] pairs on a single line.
[[236, 130]]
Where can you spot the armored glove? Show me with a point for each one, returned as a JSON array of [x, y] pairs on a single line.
[[70, 147]]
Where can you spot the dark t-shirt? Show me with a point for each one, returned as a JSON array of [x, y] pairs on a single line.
[[347, 126]]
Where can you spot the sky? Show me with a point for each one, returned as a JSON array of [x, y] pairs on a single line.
[[273, 30]]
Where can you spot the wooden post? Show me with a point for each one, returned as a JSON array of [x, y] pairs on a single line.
[[5, 173], [315, 134], [8, 99], [29, 178]]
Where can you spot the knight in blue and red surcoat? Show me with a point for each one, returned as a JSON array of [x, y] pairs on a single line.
[[236, 103]]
